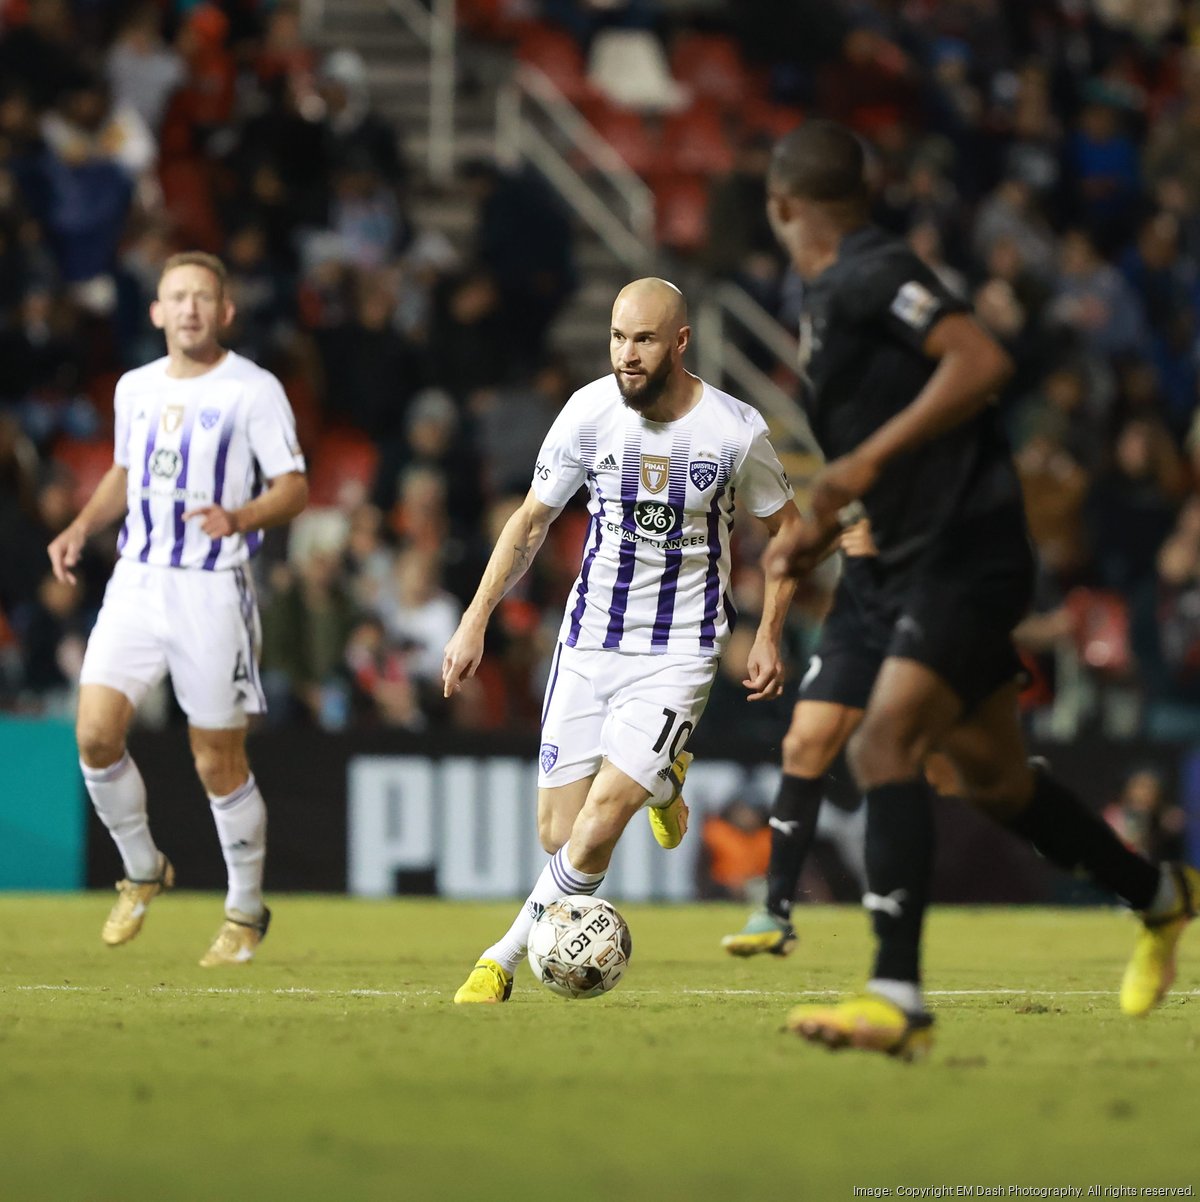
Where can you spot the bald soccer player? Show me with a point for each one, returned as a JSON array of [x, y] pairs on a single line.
[[661, 454]]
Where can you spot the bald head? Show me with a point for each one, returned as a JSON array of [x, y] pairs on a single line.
[[652, 303], [648, 337]]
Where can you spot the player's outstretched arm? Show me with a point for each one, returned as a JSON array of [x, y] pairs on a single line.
[[971, 368], [764, 667], [105, 505], [519, 542], [284, 498]]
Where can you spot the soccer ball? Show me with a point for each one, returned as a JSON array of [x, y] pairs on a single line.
[[579, 947]]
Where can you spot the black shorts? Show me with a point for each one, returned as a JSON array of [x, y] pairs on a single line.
[[956, 613], [854, 638]]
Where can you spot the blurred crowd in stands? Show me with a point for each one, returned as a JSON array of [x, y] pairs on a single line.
[[1042, 157]]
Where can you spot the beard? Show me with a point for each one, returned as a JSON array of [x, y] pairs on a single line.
[[643, 392]]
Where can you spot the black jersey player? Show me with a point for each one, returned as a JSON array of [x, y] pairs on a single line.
[[901, 382]]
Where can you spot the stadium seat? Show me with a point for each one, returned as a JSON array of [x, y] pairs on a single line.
[[558, 56], [629, 67], [87, 461], [681, 204], [343, 458], [696, 142], [626, 132], [711, 66], [772, 120]]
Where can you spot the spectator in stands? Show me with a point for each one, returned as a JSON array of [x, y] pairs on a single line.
[[385, 692], [354, 131], [1144, 820], [472, 346], [737, 850], [142, 70], [524, 241], [38, 57], [306, 624]]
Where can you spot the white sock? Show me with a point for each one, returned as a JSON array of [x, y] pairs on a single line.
[[558, 879], [241, 820], [905, 994], [118, 794]]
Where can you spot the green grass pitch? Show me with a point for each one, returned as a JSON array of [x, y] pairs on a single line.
[[335, 1069]]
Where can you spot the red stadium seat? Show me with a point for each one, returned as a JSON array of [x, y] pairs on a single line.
[[626, 132], [558, 56], [773, 120], [712, 67], [87, 461], [343, 457], [696, 142], [682, 213]]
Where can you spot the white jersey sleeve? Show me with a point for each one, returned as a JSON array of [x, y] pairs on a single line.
[[271, 430], [560, 471], [762, 484]]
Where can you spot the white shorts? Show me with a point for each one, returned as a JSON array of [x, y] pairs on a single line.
[[201, 627], [635, 710]]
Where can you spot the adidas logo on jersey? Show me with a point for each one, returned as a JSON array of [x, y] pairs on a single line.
[[607, 464]]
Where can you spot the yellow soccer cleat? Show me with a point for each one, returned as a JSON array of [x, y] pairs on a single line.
[[1151, 968], [488, 983], [133, 897], [237, 940], [869, 1022], [670, 822], [763, 932]]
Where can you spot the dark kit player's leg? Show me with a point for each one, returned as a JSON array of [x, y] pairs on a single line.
[[816, 736], [988, 752]]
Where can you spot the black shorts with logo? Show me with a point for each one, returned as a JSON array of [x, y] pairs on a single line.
[[956, 611], [854, 639]]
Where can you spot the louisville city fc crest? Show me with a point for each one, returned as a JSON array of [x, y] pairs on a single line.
[[703, 473], [209, 418], [656, 471], [549, 756]]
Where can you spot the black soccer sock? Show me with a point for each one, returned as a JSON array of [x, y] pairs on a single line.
[[793, 825], [1071, 836], [899, 864]]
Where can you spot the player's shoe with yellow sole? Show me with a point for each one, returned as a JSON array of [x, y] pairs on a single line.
[[763, 932], [670, 822], [133, 897], [869, 1022], [487, 983], [1151, 969], [237, 940]]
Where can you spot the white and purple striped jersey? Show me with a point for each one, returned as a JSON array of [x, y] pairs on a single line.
[[214, 439], [655, 574]]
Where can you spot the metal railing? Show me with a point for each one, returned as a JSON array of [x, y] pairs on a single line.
[[437, 27], [535, 121]]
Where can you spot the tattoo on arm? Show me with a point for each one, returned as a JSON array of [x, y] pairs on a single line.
[[520, 561]]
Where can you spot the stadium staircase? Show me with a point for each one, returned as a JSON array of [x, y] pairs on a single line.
[[457, 100]]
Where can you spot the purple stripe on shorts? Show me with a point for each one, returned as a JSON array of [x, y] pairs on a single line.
[[673, 556], [553, 682], [631, 465], [185, 443], [214, 551]]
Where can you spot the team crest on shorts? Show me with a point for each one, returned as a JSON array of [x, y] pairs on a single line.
[[703, 473], [656, 471], [209, 417], [549, 756]]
